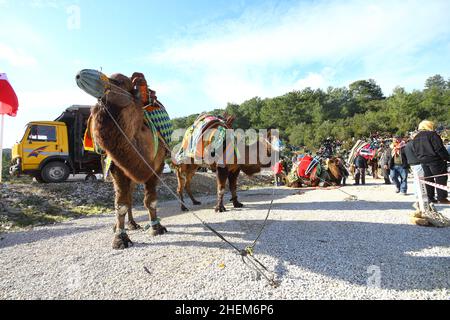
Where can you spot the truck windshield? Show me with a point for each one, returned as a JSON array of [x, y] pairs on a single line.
[[42, 133]]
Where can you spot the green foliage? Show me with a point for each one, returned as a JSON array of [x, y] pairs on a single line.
[[6, 162], [366, 90], [308, 116]]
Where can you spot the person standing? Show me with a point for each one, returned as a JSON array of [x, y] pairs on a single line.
[[398, 166], [278, 172], [432, 154], [385, 157], [360, 169], [415, 166]]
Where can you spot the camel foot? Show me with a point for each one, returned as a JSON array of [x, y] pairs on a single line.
[[132, 225], [158, 230], [197, 203], [121, 242], [220, 208]]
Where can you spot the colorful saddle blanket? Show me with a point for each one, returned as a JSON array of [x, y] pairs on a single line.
[[367, 150], [206, 137], [157, 118], [308, 167]]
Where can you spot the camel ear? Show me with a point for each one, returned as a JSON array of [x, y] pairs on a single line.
[[137, 75], [138, 79]]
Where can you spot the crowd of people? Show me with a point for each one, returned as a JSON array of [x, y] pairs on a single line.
[[423, 152]]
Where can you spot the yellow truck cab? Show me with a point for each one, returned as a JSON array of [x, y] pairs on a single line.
[[51, 150]]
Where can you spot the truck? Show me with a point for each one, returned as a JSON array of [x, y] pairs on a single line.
[[50, 151]]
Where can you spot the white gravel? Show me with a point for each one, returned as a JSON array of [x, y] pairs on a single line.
[[320, 247]]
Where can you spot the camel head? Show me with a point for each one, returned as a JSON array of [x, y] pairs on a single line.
[[118, 89]]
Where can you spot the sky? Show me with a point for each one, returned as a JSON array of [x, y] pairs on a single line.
[[200, 55]]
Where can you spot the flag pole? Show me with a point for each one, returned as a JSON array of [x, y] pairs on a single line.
[[1, 146]]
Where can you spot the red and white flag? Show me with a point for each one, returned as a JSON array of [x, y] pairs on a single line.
[[8, 99]]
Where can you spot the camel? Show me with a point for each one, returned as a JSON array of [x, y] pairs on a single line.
[[187, 170], [118, 95], [333, 176]]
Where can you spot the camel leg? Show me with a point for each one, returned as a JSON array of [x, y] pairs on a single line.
[[189, 177], [122, 186], [222, 175], [181, 179], [375, 170], [232, 181], [132, 225], [150, 203]]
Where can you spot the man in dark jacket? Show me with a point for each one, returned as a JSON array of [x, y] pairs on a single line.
[[360, 167], [432, 154]]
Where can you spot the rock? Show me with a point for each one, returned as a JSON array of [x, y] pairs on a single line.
[[13, 210]]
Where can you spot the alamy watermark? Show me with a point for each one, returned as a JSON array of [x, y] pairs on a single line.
[[226, 146], [73, 278], [74, 17], [374, 279]]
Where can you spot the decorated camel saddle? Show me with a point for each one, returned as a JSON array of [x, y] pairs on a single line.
[[305, 169], [206, 138], [367, 149], [309, 166]]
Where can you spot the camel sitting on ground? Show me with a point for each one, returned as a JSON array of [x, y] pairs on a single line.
[[118, 98], [332, 176]]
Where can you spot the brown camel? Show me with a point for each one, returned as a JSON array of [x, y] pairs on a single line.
[[185, 173], [122, 102], [331, 177]]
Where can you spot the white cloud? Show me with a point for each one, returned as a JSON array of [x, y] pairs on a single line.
[[16, 57], [312, 32], [316, 80], [254, 54]]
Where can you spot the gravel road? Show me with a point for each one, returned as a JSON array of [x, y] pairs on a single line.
[[319, 245]]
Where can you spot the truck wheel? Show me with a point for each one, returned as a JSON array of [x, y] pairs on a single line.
[[55, 172]]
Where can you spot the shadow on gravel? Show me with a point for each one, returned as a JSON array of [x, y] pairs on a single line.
[[360, 205], [355, 252], [172, 207], [25, 237]]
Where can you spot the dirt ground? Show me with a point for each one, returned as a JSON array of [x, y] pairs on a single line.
[[317, 244]]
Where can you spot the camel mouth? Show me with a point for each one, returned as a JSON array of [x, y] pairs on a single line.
[[92, 82], [97, 84]]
